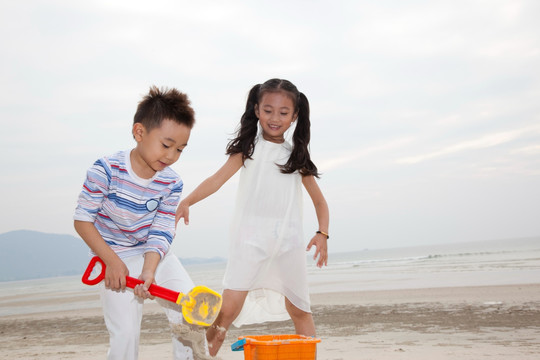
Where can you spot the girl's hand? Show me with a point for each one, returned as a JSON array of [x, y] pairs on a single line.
[[182, 212], [115, 275], [141, 290], [321, 249]]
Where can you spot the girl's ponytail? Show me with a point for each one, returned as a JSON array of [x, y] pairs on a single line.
[[244, 142], [300, 159]]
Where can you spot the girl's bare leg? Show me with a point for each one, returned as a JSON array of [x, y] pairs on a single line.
[[230, 308], [303, 321]]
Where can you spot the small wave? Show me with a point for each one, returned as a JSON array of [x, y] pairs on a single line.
[[465, 254], [338, 263], [366, 262]]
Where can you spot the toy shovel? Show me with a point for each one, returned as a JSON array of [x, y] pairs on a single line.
[[200, 306]]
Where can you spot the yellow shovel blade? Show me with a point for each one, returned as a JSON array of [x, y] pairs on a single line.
[[200, 306]]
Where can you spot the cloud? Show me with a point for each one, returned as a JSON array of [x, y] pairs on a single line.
[[486, 141], [527, 150], [389, 83], [352, 156]]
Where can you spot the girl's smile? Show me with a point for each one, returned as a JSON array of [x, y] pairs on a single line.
[[276, 113]]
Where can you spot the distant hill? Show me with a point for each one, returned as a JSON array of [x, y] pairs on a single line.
[[28, 254]]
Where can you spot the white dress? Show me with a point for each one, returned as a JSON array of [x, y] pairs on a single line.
[[267, 255]]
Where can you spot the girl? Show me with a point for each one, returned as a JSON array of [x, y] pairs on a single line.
[[266, 277]]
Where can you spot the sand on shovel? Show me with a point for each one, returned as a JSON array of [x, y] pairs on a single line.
[[206, 307]]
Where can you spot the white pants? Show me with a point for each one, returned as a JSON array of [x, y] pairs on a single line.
[[123, 310]]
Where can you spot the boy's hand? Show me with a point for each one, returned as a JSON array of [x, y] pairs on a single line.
[[182, 212], [115, 275], [141, 290], [320, 242], [151, 261]]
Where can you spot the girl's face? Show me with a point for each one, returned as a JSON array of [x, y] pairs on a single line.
[[276, 114]]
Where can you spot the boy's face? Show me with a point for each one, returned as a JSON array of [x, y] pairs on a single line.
[[158, 148]]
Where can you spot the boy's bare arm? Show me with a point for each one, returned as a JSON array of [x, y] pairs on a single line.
[[116, 272], [151, 261]]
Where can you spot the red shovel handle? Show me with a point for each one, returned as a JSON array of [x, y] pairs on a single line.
[[86, 276], [131, 282]]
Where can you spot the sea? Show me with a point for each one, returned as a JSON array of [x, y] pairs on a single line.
[[482, 263]]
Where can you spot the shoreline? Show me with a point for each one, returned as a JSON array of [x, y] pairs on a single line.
[[472, 294], [434, 323]]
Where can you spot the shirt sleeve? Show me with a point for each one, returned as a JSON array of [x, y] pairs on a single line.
[[163, 229], [95, 189]]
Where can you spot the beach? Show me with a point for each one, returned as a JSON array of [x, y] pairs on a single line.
[[496, 322], [461, 301]]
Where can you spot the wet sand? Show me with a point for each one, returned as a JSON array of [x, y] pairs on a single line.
[[498, 322]]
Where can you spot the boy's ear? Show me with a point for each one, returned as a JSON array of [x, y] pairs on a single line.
[[138, 131]]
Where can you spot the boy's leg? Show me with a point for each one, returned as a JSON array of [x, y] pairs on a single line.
[[303, 321], [230, 308], [123, 314], [188, 341]]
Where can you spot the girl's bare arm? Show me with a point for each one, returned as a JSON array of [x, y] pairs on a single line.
[[323, 217], [209, 186]]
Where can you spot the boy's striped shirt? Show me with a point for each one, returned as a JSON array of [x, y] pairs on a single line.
[[133, 215]]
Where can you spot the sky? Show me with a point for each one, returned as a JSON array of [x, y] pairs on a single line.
[[425, 114]]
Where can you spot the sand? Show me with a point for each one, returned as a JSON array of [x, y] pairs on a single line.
[[495, 322]]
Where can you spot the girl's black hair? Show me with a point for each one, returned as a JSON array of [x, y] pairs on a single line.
[[244, 142]]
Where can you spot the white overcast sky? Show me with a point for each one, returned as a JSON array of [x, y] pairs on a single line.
[[425, 114]]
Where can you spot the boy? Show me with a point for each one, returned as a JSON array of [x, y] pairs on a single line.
[[125, 214]]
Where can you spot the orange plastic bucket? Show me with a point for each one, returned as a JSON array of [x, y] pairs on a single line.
[[277, 347]]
